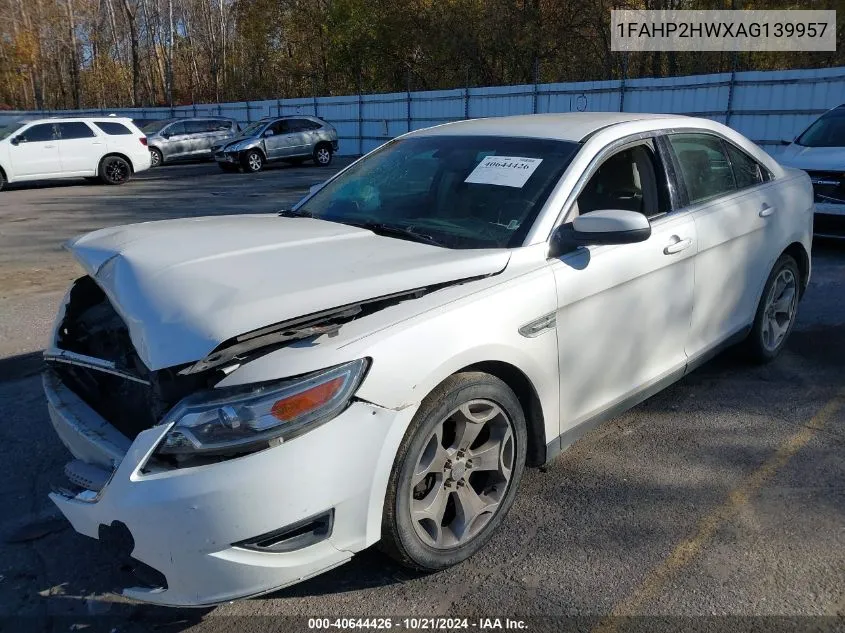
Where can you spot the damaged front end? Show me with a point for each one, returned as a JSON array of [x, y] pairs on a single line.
[[93, 357]]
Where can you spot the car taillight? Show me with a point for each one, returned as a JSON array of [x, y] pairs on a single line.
[[143, 140]]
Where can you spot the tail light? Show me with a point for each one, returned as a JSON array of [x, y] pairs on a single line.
[[143, 140]]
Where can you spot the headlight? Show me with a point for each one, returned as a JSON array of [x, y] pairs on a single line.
[[246, 419]]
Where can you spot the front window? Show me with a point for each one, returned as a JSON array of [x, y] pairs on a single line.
[[828, 131], [154, 127], [253, 128], [10, 129], [459, 191]]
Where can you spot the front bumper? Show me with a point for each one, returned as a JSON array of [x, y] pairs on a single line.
[[226, 157], [184, 522]]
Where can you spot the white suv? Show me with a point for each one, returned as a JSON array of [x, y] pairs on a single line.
[[109, 149]]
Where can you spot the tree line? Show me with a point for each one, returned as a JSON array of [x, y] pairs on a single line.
[[57, 54]]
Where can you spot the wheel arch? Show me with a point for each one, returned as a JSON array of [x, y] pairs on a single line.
[[118, 155], [3, 173], [525, 392], [799, 253]]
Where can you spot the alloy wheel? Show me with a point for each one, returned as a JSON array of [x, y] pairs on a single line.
[[254, 162], [462, 474], [323, 156], [117, 171], [780, 309]]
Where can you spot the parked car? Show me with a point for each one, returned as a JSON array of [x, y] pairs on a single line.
[[820, 151], [187, 139], [289, 138], [109, 149], [252, 399]]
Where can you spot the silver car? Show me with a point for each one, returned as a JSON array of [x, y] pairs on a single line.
[[187, 139], [290, 138]]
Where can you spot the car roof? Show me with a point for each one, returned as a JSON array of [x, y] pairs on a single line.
[[73, 119], [568, 126]]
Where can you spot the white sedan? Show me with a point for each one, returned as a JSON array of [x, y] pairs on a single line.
[[251, 400]]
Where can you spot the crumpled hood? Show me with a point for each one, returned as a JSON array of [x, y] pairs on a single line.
[[184, 286], [813, 158]]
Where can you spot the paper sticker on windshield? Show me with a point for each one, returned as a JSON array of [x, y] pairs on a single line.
[[507, 171]]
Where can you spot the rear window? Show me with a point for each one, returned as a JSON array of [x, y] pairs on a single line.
[[74, 130], [112, 128]]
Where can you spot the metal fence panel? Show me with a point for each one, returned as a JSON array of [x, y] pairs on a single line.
[[766, 106]]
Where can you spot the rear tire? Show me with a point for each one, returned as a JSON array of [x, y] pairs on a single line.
[[252, 161], [465, 449], [115, 170], [156, 158], [776, 311], [323, 155]]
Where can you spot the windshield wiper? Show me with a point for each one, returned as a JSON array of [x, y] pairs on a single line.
[[391, 230], [379, 228], [295, 213]]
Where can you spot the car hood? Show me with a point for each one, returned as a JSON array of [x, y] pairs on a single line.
[[813, 158], [184, 286], [240, 139]]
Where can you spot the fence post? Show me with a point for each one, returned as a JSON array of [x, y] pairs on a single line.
[[408, 93], [536, 79], [622, 85], [729, 109], [360, 118]]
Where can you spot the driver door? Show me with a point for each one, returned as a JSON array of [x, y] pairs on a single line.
[[278, 142], [36, 152], [624, 310]]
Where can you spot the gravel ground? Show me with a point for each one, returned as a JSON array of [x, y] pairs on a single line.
[[718, 504]]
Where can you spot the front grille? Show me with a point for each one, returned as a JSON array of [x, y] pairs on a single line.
[[93, 328], [828, 186]]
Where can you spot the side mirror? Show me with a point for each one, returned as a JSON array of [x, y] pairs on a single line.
[[269, 133], [166, 135], [610, 226], [15, 140]]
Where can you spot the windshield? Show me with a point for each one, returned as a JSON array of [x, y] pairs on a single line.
[[9, 129], [155, 126], [253, 128], [461, 191], [827, 131]]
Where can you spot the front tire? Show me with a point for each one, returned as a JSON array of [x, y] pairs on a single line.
[[114, 170], [456, 473], [323, 155], [776, 311], [252, 161]]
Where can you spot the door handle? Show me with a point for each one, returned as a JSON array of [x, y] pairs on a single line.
[[49, 147], [677, 246], [766, 211]]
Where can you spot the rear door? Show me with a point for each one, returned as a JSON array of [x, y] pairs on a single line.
[[80, 148], [303, 136], [733, 206], [36, 153]]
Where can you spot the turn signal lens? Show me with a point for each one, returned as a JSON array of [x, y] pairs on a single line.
[[307, 401]]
